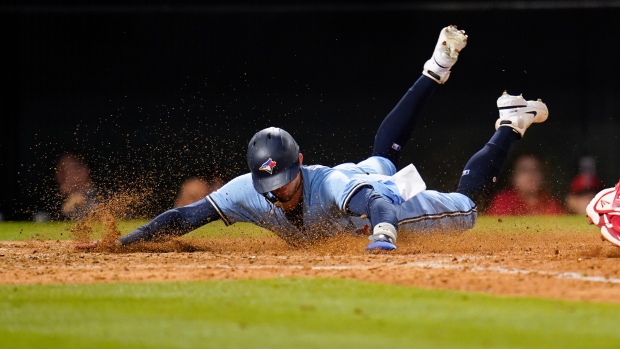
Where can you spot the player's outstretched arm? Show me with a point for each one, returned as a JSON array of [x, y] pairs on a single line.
[[175, 222], [382, 215]]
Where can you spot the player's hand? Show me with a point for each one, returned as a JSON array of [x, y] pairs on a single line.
[[381, 244], [87, 245], [383, 238]]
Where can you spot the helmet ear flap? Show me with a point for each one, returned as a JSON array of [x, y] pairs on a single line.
[[273, 159]]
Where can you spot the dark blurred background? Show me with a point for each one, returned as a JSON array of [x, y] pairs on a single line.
[[150, 93]]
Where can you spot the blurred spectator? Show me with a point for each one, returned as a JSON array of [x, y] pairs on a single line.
[[527, 194], [73, 177], [194, 189], [584, 186]]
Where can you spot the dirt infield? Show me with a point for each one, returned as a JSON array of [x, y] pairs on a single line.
[[551, 265]]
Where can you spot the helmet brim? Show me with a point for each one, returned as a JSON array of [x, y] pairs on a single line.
[[266, 184]]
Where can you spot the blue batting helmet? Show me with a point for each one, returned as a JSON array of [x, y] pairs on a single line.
[[273, 158]]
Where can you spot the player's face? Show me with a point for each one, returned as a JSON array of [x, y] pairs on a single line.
[[290, 195], [287, 192]]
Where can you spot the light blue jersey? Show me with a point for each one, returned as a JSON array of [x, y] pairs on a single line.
[[326, 194]]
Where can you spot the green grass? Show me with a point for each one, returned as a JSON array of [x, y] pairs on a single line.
[[60, 230], [12, 231], [292, 313], [533, 224], [30, 230]]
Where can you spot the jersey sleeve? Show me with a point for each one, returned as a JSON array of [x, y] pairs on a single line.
[[174, 222], [334, 187], [238, 201]]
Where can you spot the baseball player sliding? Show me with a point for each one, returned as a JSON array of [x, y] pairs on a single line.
[[305, 204]]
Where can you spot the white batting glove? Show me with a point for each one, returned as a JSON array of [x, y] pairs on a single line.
[[383, 237]]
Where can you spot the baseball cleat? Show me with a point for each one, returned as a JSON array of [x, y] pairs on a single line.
[[451, 42], [516, 112], [604, 212]]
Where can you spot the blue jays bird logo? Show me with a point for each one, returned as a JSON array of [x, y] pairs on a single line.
[[268, 166]]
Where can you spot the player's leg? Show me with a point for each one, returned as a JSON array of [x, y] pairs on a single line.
[[434, 212], [431, 211], [515, 116], [398, 126]]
